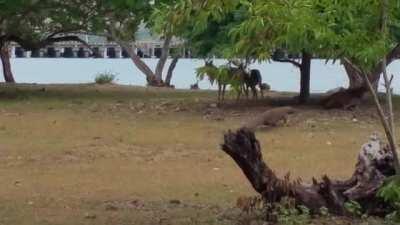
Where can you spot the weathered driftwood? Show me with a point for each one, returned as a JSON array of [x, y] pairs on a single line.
[[373, 166], [270, 118]]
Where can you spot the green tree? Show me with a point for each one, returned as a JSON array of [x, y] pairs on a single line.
[[36, 24], [275, 28], [368, 46], [120, 20], [357, 33]]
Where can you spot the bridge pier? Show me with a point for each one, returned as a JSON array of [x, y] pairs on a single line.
[[106, 50], [59, 52], [105, 53], [35, 53], [125, 54], [20, 52], [118, 53], [111, 53], [83, 53], [75, 52], [97, 53], [12, 55]]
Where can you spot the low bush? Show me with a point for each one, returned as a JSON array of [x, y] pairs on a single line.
[[390, 193], [105, 78]]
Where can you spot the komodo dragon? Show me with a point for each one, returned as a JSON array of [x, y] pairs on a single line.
[[270, 117]]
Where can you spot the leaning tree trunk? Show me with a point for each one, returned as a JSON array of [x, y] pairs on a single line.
[[305, 73], [353, 95], [5, 60], [152, 79], [375, 164], [171, 70], [357, 85], [355, 78], [163, 59]]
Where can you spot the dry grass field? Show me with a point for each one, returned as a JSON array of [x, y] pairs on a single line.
[[87, 154]]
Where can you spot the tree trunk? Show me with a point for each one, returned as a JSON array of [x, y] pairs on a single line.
[[152, 79], [171, 70], [375, 164], [353, 95], [305, 72], [355, 78], [164, 57], [5, 59]]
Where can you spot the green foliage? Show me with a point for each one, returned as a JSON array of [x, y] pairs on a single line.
[[293, 216], [329, 29], [30, 22], [168, 17], [324, 212], [119, 19], [354, 208], [205, 26], [211, 72], [105, 78], [390, 193], [223, 74], [288, 214]]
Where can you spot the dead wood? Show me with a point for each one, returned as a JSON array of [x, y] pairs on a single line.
[[375, 163]]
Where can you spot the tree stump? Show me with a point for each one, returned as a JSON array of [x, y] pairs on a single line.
[[375, 164]]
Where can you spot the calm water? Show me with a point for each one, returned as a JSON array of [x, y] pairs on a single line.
[[281, 76]]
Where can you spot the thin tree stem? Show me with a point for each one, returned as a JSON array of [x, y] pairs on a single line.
[[385, 123], [390, 115], [384, 120]]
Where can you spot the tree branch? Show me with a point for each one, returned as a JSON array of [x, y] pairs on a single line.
[[390, 57], [297, 64]]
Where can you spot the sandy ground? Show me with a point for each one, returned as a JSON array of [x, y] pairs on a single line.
[[119, 155]]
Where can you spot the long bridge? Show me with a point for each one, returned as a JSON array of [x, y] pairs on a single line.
[[146, 46]]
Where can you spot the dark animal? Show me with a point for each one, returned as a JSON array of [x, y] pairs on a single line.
[[194, 86], [253, 80]]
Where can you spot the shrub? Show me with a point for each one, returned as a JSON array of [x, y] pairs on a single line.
[[390, 192], [354, 208], [105, 78], [287, 213]]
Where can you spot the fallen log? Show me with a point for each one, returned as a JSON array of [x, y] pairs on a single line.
[[375, 164]]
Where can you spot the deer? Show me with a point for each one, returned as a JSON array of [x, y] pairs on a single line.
[[236, 76], [252, 81]]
